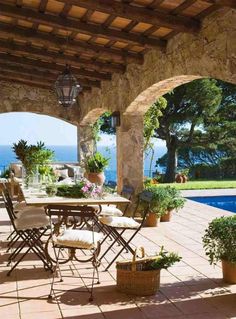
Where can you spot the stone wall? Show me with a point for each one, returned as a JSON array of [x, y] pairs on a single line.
[[24, 98], [209, 53]]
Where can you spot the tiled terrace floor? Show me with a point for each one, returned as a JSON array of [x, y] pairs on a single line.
[[191, 289]]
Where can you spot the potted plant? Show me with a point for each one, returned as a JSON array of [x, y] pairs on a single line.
[[158, 205], [175, 201], [95, 166], [32, 157], [142, 276], [219, 242]]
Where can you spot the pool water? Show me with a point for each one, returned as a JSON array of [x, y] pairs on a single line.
[[223, 202]]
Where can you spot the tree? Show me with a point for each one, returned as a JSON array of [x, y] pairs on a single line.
[[182, 122]]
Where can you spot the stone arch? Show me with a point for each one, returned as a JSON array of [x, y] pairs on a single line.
[[24, 98], [145, 99], [92, 116]]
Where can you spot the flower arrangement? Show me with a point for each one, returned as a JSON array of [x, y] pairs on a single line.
[[81, 189]]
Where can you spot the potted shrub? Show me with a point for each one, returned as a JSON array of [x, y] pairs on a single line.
[[175, 201], [95, 166], [158, 205], [219, 242], [142, 276]]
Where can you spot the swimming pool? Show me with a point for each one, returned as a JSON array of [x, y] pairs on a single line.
[[223, 202]]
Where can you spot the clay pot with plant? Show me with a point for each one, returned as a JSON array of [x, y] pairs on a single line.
[[158, 205], [219, 242], [175, 201], [95, 166]]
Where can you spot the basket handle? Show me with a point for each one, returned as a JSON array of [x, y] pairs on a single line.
[[140, 248]]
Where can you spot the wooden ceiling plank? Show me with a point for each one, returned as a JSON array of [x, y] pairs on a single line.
[[32, 82], [155, 3], [130, 26], [44, 74], [59, 58], [52, 67], [183, 6], [63, 44], [74, 25], [183, 24]]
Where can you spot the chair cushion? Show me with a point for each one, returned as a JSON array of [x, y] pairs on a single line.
[[26, 222], [108, 210], [31, 211], [119, 222], [78, 238]]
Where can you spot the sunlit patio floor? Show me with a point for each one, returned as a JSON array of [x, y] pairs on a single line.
[[190, 289]]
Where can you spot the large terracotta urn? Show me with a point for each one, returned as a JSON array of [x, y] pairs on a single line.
[[96, 178]]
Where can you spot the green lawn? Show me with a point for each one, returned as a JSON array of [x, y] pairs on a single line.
[[203, 184]]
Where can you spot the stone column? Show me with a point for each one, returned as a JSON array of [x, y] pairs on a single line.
[[130, 152], [85, 142]]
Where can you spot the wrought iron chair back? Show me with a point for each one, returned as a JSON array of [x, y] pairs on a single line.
[[76, 218]]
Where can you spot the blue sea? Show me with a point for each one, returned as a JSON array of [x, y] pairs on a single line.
[[67, 154]]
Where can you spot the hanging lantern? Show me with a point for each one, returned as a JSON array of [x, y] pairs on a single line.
[[67, 88]]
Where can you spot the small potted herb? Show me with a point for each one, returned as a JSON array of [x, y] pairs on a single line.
[[95, 166], [158, 205], [175, 201], [219, 242]]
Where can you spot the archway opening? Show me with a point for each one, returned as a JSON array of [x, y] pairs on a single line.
[[58, 135]]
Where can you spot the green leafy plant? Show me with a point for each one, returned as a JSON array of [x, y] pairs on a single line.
[[164, 260], [81, 189], [159, 202], [175, 199], [219, 240], [96, 163], [33, 157]]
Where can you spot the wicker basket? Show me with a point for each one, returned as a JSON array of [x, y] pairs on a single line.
[[131, 279]]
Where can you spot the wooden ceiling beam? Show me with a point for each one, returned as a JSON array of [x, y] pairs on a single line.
[[140, 14], [78, 26], [52, 67], [78, 46], [43, 75], [223, 3], [28, 79], [43, 5], [40, 85], [56, 57]]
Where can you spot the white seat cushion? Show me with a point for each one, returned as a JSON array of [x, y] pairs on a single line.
[[30, 222], [78, 238], [108, 210], [119, 222]]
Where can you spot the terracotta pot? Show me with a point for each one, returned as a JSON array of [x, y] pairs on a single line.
[[167, 216], [184, 178], [229, 272], [179, 178], [97, 178], [151, 220]]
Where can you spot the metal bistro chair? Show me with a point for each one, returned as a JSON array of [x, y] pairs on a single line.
[[69, 233], [116, 226], [28, 232]]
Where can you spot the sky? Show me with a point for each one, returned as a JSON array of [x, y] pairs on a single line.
[[33, 127]]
